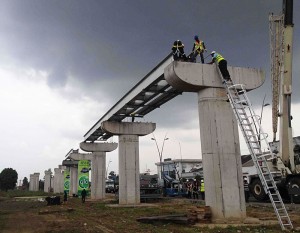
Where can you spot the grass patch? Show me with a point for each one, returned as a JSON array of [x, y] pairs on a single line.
[[24, 193], [3, 217]]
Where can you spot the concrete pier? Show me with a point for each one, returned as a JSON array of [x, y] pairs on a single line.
[[98, 169], [47, 184], [62, 178], [74, 171], [34, 182], [129, 172], [73, 181], [57, 180], [222, 168], [72, 167]]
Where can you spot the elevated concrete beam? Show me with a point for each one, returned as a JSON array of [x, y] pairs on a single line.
[[193, 77], [129, 171]]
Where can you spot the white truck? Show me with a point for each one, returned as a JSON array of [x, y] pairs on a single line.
[[284, 177]]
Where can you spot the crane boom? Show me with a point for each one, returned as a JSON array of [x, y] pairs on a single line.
[[276, 26], [286, 138]]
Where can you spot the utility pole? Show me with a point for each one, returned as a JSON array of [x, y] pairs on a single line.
[[107, 169], [261, 115]]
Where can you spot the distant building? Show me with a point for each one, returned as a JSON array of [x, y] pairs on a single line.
[[180, 168]]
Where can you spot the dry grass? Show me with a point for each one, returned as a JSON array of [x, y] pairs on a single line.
[[23, 216]]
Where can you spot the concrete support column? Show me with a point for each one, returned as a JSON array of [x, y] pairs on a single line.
[[47, 184], [62, 178], [34, 182], [129, 172], [219, 132], [37, 181], [31, 182], [98, 166], [224, 191], [78, 156], [56, 180], [73, 180], [98, 175]]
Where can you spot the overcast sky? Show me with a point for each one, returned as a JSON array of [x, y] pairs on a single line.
[[64, 63]]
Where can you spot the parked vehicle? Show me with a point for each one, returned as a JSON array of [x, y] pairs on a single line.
[[110, 186], [287, 177]]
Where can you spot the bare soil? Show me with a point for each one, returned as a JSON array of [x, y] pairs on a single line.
[[29, 215]]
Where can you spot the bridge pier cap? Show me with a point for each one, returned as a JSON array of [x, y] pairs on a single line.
[[128, 128], [193, 77], [98, 147], [80, 156]]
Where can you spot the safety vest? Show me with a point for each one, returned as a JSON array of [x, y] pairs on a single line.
[[202, 187], [199, 46], [218, 57]]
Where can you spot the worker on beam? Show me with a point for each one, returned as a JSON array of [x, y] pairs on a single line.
[[198, 49], [178, 51], [222, 63]]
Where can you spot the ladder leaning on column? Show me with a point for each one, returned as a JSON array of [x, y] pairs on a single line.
[[256, 139]]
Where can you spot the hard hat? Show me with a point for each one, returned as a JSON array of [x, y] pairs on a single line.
[[196, 37], [213, 52]]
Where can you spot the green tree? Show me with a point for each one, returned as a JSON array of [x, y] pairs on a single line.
[[41, 185], [25, 185], [8, 179]]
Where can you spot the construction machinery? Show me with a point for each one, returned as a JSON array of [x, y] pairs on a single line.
[[285, 166], [275, 173]]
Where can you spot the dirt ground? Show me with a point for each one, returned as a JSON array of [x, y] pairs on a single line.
[[30, 215]]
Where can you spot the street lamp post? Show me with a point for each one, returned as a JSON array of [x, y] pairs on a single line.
[[107, 169], [160, 153], [261, 114]]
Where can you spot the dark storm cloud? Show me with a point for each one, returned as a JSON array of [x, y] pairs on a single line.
[[110, 45]]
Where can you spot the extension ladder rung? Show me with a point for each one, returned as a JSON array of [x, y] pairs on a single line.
[[249, 124], [261, 156]]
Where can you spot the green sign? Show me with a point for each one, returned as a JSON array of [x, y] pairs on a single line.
[[67, 180], [83, 176]]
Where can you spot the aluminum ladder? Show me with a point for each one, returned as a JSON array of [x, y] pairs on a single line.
[[256, 139]]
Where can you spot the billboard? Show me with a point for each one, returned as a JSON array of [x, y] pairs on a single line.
[[67, 180], [83, 176]]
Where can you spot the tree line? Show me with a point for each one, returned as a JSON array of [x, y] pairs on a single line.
[[9, 179]]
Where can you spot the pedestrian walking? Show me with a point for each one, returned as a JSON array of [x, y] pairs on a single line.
[[83, 195]]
